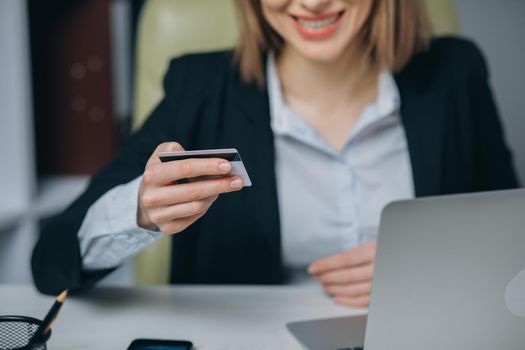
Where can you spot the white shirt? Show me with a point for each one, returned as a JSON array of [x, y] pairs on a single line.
[[328, 201]]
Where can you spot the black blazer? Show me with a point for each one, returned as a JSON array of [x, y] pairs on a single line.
[[454, 136]]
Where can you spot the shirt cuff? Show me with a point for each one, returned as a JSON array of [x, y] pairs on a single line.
[[110, 233], [122, 212]]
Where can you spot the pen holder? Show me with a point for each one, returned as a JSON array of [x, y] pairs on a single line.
[[17, 331]]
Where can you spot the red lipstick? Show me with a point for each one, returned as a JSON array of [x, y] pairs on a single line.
[[317, 27]]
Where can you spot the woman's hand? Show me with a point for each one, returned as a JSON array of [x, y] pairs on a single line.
[[172, 207], [347, 276]]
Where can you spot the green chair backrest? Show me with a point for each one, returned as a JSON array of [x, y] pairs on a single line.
[[169, 28]]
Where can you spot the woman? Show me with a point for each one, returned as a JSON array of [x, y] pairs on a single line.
[[338, 107]]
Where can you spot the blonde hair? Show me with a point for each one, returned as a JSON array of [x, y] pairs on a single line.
[[394, 31]]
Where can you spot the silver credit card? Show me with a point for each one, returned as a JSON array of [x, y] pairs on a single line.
[[229, 154]]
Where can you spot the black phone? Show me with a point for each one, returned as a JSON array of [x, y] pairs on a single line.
[[159, 344]]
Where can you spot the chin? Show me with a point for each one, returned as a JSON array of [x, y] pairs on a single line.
[[321, 53]]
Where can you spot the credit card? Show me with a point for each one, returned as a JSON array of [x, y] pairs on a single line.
[[229, 154]]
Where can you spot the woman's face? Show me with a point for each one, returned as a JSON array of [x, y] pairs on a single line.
[[320, 30]]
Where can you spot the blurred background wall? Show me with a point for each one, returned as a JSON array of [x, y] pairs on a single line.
[[78, 54]]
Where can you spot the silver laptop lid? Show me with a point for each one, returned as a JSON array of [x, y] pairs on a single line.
[[450, 274]]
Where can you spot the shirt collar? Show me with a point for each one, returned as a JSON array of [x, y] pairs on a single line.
[[386, 106], [279, 122]]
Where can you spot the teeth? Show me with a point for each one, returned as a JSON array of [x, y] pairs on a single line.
[[317, 24]]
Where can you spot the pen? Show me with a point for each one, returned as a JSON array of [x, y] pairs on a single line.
[[45, 326]]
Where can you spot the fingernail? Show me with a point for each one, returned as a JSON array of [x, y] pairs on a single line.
[[311, 269], [237, 183], [225, 166]]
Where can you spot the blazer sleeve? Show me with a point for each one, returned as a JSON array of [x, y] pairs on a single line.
[[493, 165], [56, 261]]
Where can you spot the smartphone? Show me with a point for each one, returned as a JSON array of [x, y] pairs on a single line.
[[159, 344]]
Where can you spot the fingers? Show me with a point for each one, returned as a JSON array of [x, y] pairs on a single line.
[[176, 226], [164, 147], [349, 275], [361, 301], [189, 192], [349, 290], [166, 173], [363, 254], [171, 206], [165, 214]]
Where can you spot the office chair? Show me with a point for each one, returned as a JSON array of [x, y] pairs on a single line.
[[169, 28]]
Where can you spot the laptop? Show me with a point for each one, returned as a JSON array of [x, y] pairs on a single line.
[[449, 274]]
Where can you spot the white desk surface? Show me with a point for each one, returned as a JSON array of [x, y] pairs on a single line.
[[212, 317]]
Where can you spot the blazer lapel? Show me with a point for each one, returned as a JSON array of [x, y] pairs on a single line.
[[249, 106], [422, 114]]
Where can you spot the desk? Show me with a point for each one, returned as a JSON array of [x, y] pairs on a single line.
[[213, 318]]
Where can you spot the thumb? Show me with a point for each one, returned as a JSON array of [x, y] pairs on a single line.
[[169, 147], [164, 147]]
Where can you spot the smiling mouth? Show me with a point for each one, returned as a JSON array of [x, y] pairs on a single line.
[[317, 22]]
